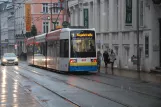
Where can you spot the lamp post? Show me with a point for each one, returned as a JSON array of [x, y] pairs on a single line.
[[0, 37], [138, 47]]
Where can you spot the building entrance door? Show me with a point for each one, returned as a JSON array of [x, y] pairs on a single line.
[[160, 40]]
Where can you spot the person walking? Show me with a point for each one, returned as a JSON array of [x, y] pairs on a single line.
[[106, 58], [99, 55], [112, 59]]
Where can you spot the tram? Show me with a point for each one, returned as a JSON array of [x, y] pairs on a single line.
[[66, 49]]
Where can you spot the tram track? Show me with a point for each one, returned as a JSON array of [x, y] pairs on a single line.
[[128, 89], [64, 98], [124, 79], [86, 90], [112, 85]]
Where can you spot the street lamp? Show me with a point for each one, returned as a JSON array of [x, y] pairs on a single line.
[[0, 36], [138, 47]]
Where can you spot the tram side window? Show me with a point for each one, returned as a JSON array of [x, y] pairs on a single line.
[[57, 48], [40, 49], [64, 48], [29, 49]]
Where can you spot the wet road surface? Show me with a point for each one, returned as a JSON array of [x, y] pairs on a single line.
[[12, 94], [51, 89]]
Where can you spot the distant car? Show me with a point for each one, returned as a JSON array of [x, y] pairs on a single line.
[[9, 58]]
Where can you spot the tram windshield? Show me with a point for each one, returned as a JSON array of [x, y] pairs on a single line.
[[83, 43]]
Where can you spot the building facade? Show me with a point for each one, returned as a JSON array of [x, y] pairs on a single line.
[[115, 22], [7, 28], [40, 17]]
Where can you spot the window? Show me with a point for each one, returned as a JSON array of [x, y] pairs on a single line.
[[64, 48], [141, 12], [55, 8], [45, 27], [146, 46], [9, 55], [40, 49], [45, 7], [57, 24], [30, 49], [83, 46], [117, 13], [128, 19], [53, 48]]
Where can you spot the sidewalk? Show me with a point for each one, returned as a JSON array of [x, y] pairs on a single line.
[[12, 94], [150, 77]]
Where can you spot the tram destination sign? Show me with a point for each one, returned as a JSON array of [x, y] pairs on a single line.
[[84, 35]]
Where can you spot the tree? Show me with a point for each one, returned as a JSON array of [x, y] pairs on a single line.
[[28, 34], [33, 30]]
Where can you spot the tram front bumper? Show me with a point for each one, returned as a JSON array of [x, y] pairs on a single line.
[[82, 68]]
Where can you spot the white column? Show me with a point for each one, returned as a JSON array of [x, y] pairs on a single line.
[[94, 14], [119, 14], [120, 51], [102, 42], [96, 17], [76, 16], [110, 40], [106, 15], [122, 14], [89, 15], [73, 16], [111, 15], [102, 16], [81, 14]]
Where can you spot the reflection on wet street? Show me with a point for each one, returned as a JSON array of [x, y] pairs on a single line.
[[12, 94], [28, 86]]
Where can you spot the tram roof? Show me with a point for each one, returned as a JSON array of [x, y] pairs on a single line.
[[70, 29], [41, 36]]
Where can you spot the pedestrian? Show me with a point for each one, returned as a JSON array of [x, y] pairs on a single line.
[[106, 58], [99, 55], [112, 59]]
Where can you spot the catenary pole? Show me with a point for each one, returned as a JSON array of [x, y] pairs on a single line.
[[51, 9], [0, 37], [138, 49]]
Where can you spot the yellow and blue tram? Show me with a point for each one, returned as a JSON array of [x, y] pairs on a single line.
[[66, 49]]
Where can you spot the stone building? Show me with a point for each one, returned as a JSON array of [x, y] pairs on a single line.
[[115, 24], [7, 28]]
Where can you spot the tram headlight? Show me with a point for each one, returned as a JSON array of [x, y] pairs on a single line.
[[93, 60], [73, 60]]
